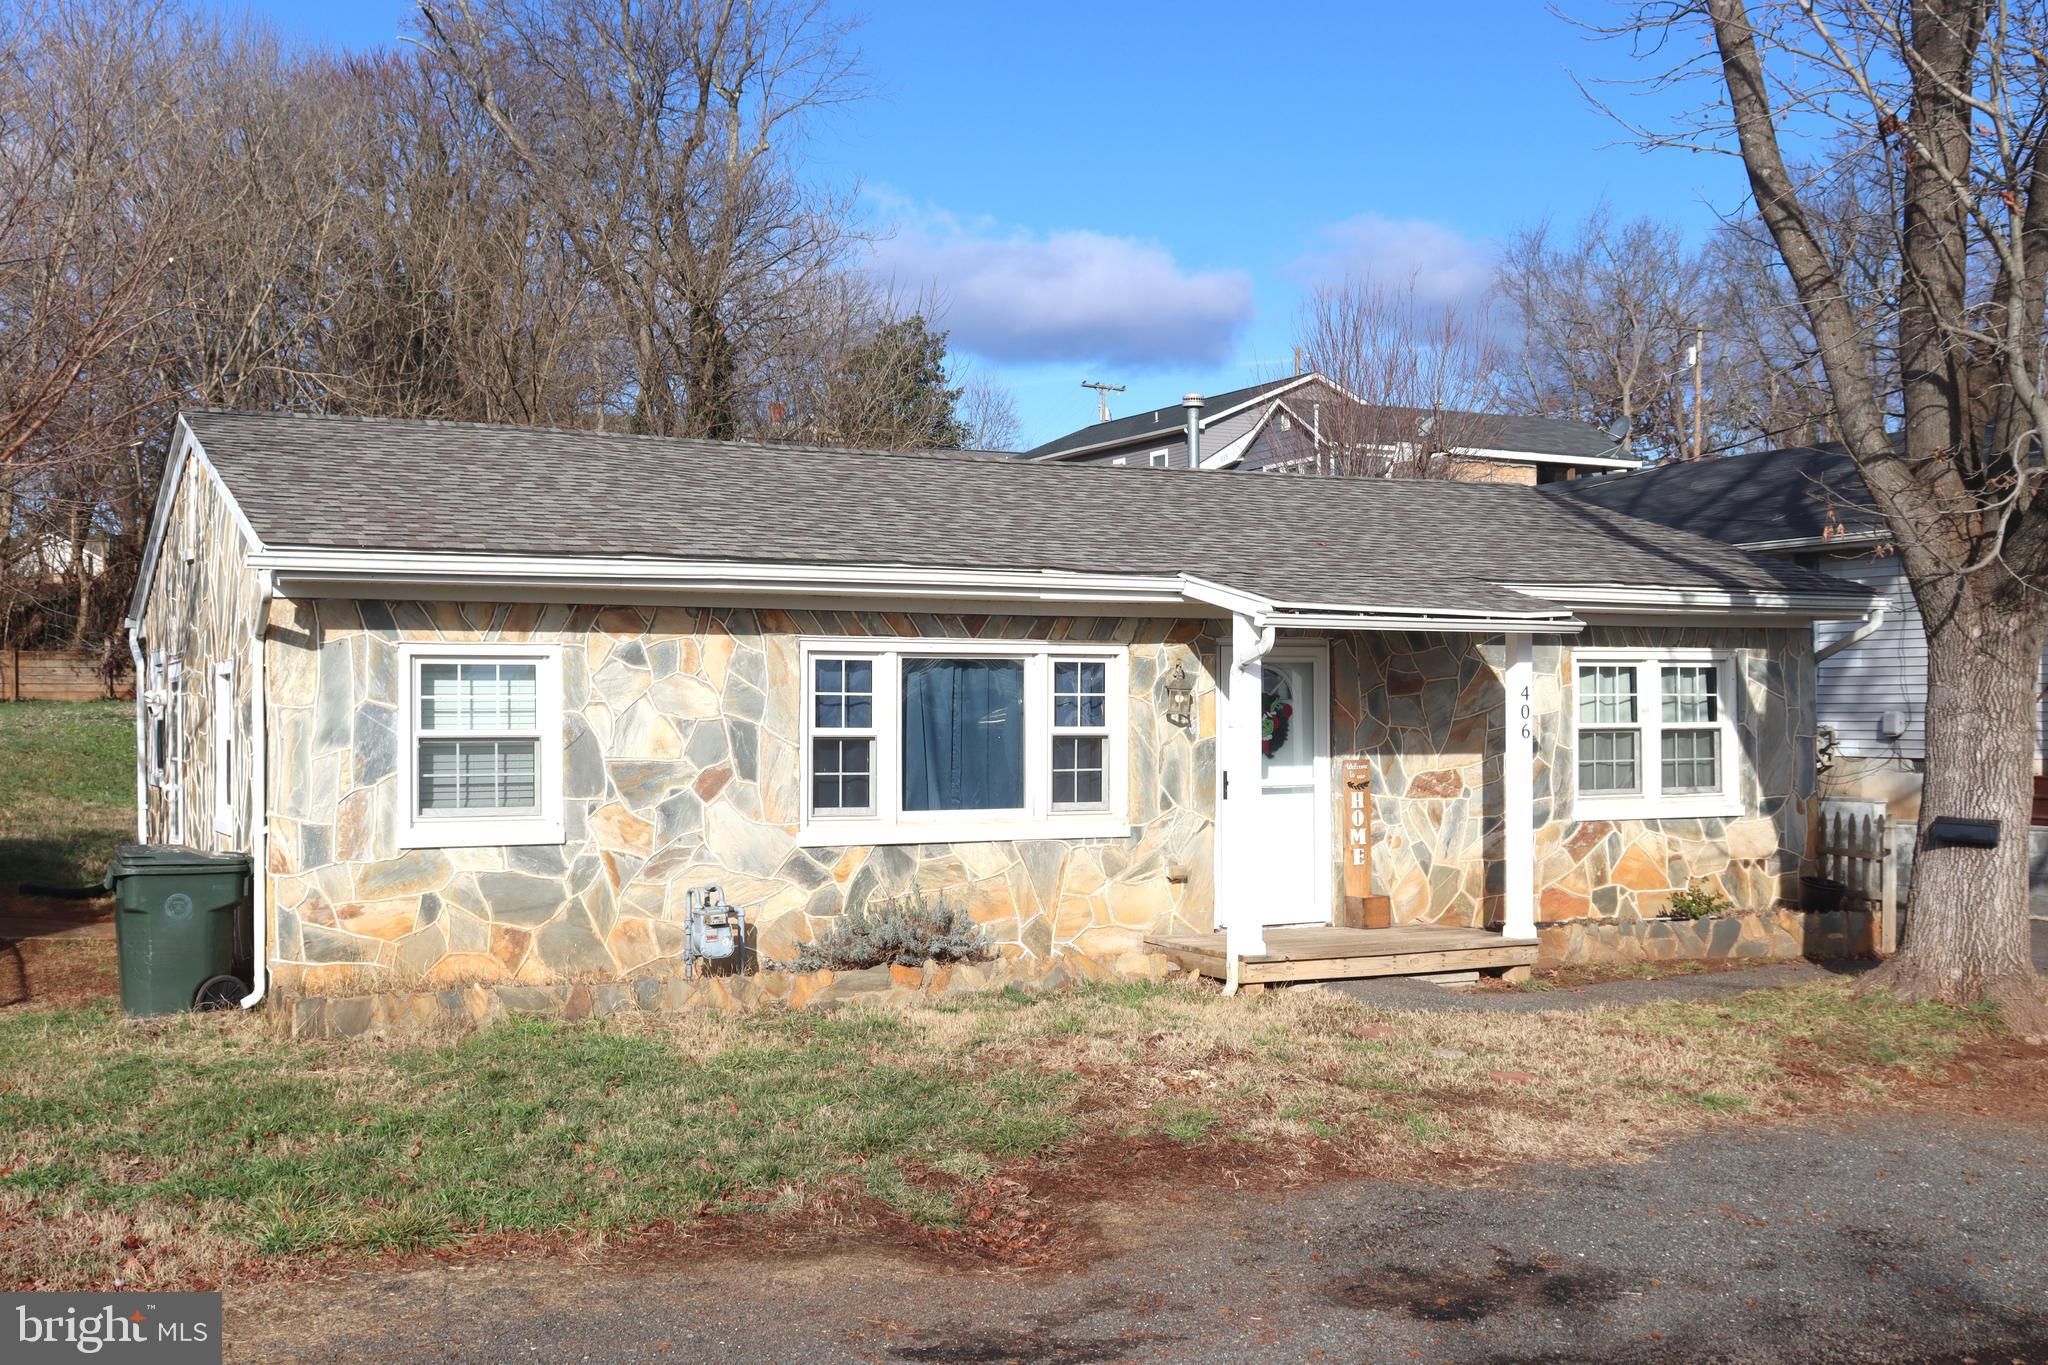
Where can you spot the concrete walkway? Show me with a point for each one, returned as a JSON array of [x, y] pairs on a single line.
[[1409, 993]]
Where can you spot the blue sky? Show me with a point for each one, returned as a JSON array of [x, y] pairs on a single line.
[[1141, 193]]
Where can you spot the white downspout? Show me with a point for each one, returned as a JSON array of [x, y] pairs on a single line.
[[1872, 621], [141, 732], [259, 800]]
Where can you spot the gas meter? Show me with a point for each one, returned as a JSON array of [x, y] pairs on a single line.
[[717, 931]]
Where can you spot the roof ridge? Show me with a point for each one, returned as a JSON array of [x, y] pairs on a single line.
[[1053, 469]]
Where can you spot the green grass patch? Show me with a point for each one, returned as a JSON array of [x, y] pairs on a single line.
[[67, 789], [533, 1126], [194, 1144]]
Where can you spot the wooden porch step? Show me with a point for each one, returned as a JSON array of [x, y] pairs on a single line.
[[1326, 953]]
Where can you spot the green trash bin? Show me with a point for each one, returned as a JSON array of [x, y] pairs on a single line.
[[177, 924]]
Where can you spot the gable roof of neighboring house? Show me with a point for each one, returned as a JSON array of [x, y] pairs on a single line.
[[1803, 495], [1167, 421], [344, 499], [1552, 437]]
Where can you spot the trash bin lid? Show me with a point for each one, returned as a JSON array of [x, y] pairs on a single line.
[[163, 860]]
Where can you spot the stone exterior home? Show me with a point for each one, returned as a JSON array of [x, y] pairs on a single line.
[[486, 703]]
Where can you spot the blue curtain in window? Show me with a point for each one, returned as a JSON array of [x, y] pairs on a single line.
[[963, 734]]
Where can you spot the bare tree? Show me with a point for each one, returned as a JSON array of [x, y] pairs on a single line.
[[1425, 378], [988, 411], [1938, 105], [1608, 315], [660, 134]]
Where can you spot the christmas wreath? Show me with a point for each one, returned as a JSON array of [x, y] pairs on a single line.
[[1274, 723]]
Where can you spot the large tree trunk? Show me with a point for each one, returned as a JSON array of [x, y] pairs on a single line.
[[1967, 938]]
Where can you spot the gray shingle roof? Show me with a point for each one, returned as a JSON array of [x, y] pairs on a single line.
[[1533, 435], [1767, 497], [385, 484]]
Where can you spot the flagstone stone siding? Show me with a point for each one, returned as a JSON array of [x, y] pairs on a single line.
[[1427, 710], [681, 769], [201, 611]]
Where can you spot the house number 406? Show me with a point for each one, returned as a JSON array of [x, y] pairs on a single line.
[[1526, 732]]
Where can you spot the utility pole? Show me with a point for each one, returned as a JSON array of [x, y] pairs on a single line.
[[1102, 393], [1699, 352]]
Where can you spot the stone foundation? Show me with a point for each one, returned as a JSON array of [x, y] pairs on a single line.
[[1754, 934], [415, 1016]]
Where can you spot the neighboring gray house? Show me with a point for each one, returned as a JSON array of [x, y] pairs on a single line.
[[1809, 505], [1285, 423]]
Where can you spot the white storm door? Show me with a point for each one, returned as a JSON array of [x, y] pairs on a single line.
[[1290, 815]]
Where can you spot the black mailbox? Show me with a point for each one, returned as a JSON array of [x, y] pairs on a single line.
[[1953, 831]]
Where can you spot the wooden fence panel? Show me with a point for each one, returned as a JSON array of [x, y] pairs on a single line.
[[60, 675], [1854, 846]]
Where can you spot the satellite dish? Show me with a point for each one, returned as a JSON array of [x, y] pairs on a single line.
[[1620, 427]]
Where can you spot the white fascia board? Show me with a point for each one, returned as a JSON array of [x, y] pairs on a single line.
[[185, 450], [312, 572], [1815, 606]]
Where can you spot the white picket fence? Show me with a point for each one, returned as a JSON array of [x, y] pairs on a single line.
[[1853, 845]]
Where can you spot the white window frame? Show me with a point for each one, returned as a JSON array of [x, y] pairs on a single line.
[[222, 721], [1652, 803], [1160, 459], [889, 823], [482, 831]]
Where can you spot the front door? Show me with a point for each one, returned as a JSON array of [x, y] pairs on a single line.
[[1290, 817]]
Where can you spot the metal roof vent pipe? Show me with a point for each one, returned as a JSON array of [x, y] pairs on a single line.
[[1194, 402]]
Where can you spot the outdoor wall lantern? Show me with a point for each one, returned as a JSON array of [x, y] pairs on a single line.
[[1180, 697]]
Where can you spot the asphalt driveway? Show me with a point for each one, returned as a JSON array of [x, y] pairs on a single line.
[[1900, 1238]]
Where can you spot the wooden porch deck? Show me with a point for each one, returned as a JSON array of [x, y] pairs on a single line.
[[1320, 952]]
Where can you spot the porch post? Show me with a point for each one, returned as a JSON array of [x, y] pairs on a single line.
[[1237, 759], [1518, 790]]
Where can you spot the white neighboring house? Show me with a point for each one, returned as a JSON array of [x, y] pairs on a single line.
[[1808, 504], [48, 556]]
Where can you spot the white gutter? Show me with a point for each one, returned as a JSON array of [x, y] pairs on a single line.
[[1556, 624], [259, 802], [1872, 621], [314, 572], [1705, 601], [1847, 540]]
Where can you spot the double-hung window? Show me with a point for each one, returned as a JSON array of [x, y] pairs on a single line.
[[1655, 734], [957, 741], [481, 754]]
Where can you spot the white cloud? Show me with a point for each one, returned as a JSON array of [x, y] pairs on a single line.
[[1076, 295], [1448, 267]]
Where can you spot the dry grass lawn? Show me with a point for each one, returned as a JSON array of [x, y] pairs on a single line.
[[201, 1149]]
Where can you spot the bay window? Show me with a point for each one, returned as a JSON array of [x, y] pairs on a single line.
[[1654, 734], [480, 751], [940, 741]]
